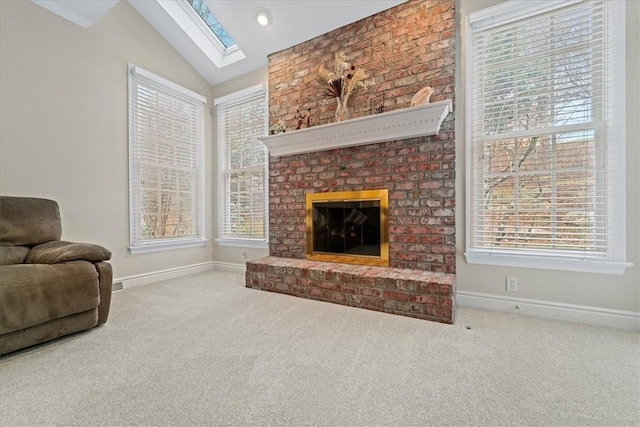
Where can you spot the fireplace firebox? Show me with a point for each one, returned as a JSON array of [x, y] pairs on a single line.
[[348, 227]]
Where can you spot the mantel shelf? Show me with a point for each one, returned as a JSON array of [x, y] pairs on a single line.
[[423, 120]]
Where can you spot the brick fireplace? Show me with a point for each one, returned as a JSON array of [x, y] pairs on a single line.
[[403, 49]]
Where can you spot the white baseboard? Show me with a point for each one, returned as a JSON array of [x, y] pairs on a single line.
[[228, 266], [629, 320], [157, 276]]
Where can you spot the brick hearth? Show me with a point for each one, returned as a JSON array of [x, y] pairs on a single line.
[[421, 294]]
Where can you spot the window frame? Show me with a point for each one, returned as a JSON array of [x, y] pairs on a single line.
[[613, 261], [190, 24], [208, 31], [256, 91], [138, 245]]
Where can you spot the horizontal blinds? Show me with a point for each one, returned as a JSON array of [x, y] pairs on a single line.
[[166, 160], [539, 116], [242, 195]]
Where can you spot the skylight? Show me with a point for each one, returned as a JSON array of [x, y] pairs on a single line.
[[211, 21]]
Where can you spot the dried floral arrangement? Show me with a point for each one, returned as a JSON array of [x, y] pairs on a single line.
[[341, 83]]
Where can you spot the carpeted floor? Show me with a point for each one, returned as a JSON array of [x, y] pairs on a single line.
[[205, 350]]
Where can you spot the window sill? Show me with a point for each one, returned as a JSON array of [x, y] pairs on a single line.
[[244, 243], [166, 246], [558, 262]]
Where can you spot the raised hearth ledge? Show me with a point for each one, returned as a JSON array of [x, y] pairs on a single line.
[[423, 120]]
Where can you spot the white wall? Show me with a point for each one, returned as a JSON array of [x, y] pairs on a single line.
[[63, 116], [230, 254], [604, 291]]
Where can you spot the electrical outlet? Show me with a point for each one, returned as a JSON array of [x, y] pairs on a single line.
[[512, 284], [244, 257]]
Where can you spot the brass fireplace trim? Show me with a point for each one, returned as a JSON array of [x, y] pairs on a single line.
[[351, 196]]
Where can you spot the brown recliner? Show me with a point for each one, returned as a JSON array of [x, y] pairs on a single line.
[[48, 288]]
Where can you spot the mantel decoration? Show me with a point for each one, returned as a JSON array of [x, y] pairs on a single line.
[[301, 117], [345, 80], [278, 127], [423, 96]]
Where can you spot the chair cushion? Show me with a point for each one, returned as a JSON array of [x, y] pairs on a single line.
[[61, 251], [31, 294], [27, 221], [13, 254], [48, 330]]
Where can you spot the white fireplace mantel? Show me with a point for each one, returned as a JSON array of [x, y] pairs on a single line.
[[423, 120]]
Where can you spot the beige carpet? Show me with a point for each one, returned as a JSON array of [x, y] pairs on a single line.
[[205, 350]]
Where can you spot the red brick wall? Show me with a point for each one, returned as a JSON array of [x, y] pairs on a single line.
[[419, 174], [403, 49]]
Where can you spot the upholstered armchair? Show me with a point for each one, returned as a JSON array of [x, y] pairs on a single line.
[[48, 288]]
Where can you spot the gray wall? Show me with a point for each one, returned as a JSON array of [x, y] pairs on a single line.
[[606, 291], [64, 120]]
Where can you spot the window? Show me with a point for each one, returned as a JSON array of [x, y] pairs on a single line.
[[192, 29], [166, 174], [216, 27], [242, 161], [545, 135]]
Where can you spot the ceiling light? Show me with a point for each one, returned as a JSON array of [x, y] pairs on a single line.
[[263, 17]]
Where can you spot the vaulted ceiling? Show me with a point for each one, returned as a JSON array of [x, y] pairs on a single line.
[[292, 22]]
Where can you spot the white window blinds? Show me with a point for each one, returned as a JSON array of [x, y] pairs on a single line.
[[545, 129], [166, 162], [242, 187]]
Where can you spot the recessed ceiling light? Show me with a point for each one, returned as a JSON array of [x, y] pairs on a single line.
[[263, 17]]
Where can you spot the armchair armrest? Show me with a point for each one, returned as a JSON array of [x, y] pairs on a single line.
[[60, 251]]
